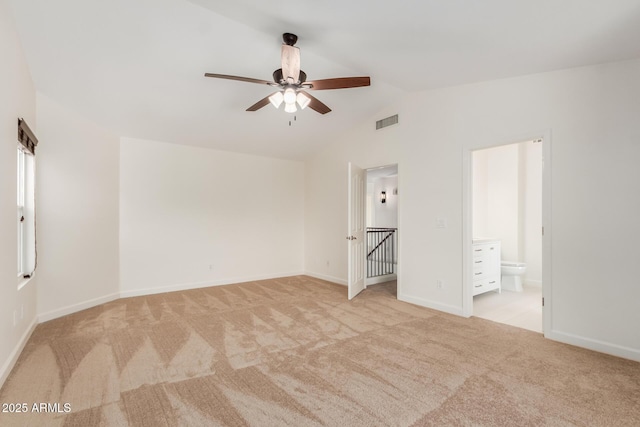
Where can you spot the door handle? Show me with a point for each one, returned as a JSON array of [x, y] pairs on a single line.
[[352, 238]]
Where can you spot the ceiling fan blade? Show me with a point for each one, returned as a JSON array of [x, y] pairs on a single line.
[[339, 83], [241, 79], [315, 103], [258, 105], [291, 63]]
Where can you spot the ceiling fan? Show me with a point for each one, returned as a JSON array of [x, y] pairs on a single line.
[[292, 82]]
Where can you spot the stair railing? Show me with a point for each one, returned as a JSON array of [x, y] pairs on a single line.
[[381, 251]]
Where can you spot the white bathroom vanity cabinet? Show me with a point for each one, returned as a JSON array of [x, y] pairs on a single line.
[[486, 266]]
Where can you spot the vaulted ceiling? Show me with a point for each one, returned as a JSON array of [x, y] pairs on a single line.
[[136, 66]]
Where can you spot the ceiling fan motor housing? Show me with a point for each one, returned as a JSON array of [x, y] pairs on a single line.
[[277, 77], [289, 39]]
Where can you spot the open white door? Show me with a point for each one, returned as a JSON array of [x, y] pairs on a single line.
[[355, 238]]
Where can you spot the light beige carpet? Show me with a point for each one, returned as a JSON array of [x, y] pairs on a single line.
[[295, 352]]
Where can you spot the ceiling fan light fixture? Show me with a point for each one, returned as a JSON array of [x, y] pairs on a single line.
[[290, 108], [276, 99], [303, 100], [289, 96]]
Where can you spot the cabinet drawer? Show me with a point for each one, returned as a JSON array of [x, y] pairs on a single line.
[[485, 284], [480, 251], [479, 273], [480, 286], [492, 283], [480, 268]]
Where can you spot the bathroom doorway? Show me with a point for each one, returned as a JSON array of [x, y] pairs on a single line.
[[506, 211]]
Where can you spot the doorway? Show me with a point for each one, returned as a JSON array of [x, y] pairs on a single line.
[[379, 258], [382, 224], [506, 209]]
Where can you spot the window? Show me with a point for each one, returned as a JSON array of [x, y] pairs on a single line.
[[20, 209], [25, 217], [25, 201]]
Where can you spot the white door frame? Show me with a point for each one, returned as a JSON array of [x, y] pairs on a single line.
[[467, 225]]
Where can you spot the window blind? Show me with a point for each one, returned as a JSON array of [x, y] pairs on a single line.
[[26, 137]]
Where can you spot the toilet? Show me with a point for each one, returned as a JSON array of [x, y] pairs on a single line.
[[512, 273]]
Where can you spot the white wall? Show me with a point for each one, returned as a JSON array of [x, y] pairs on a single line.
[[503, 214], [184, 209], [386, 214], [17, 100], [590, 112], [479, 192], [78, 211]]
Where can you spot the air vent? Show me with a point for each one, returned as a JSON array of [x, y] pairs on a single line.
[[393, 120]]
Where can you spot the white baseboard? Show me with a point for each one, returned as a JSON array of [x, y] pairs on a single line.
[[13, 357], [595, 345], [198, 285], [327, 278], [451, 309], [54, 314]]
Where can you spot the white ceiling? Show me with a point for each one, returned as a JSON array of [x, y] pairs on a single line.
[[136, 66]]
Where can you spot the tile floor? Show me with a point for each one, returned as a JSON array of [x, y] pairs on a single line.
[[521, 309]]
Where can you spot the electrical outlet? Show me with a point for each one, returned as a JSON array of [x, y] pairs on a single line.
[[210, 266], [441, 223], [439, 284], [327, 263]]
